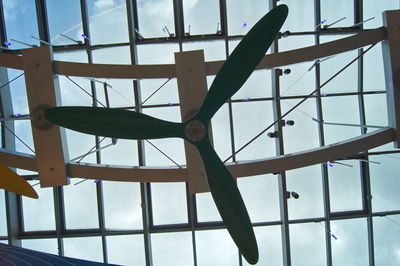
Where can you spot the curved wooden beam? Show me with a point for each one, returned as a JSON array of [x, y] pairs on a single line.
[[169, 71], [240, 169], [314, 156]]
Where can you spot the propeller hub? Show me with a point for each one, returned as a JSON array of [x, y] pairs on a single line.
[[195, 130]]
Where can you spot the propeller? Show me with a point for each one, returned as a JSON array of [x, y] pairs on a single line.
[[12, 182], [238, 67]]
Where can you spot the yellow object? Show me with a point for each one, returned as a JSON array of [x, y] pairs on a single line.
[[12, 182]]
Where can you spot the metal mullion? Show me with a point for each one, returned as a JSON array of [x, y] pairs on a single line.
[[59, 211], [85, 22], [41, 15], [324, 169], [179, 21], [144, 187], [280, 151], [3, 34]]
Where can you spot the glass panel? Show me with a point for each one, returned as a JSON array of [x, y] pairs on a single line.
[[346, 81], [172, 249], [173, 147], [260, 194], [257, 86], [169, 203], [108, 21], [241, 17], [122, 205], [300, 80], [201, 16], [21, 23], [343, 109], [3, 214], [333, 11], [216, 247], [206, 209], [119, 250], [48, 245], [86, 248], [221, 132], [269, 242], [373, 76], [64, 17], [374, 9], [296, 42], [159, 91], [4, 242], [386, 240], [303, 135], [307, 244], [307, 182], [153, 16], [384, 182], [74, 56], [351, 246], [120, 91], [81, 204], [157, 53], [213, 51], [249, 119], [39, 213], [301, 15], [114, 55], [345, 186], [124, 152]]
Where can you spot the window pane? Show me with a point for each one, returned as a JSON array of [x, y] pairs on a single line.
[[39, 213], [81, 204], [157, 53], [216, 247], [3, 215], [159, 91], [269, 242], [261, 197], [241, 17], [169, 203], [303, 135], [351, 246], [341, 109], [122, 205], [119, 250], [345, 186], [153, 16], [202, 16], [108, 21], [307, 182], [257, 86], [48, 245], [333, 11], [373, 8], [213, 50], [86, 248], [384, 182], [221, 132], [172, 249], [386, 240], [206, 209], [307, 244], [249, 119], [21, 22], [64, 17], [301, 15]]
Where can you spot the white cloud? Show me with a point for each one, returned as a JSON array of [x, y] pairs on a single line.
[[104, 3]]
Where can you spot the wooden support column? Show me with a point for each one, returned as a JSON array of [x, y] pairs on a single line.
[[192, 86], [43, 91], [391, 62]]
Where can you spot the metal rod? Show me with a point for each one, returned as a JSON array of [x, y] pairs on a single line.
[[362, 22], [33, 37], [337, 21], [155, 91], [69, 38], [24, 43], [163, 153], [345, 124], [84, 90], [20, 117], [345, 164], [19, 139], [93, 151]]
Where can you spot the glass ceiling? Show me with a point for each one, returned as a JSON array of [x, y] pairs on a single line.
[[348, 212]]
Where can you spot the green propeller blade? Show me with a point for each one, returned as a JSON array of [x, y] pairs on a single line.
[[243, 60], [114, 123], [229, 202]]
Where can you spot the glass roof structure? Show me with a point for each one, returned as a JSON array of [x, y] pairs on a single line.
[[348, 210]]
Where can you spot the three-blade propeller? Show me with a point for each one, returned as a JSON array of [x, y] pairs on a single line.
[[125, 124]]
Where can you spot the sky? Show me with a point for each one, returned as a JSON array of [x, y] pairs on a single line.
[[122, 202]]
